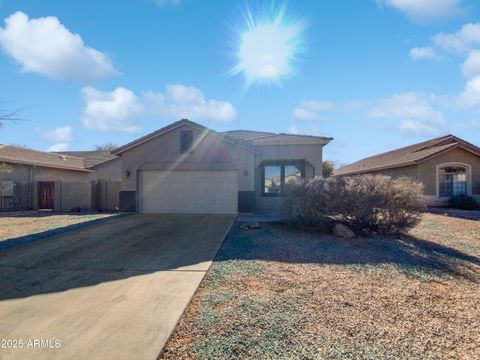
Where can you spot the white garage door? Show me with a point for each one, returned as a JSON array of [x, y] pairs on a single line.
[[188, 191]]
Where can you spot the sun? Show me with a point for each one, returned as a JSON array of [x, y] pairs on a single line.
[[268, 45]]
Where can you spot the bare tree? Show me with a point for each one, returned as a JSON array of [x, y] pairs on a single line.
[[7, 115], [109, 146]]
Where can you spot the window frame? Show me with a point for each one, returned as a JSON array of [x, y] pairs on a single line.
[[300, 164], [468, 172], [188, 148]]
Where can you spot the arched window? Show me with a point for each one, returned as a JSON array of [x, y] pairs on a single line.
[[452, 180]]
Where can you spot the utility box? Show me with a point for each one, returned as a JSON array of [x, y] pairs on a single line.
[[7, 188]]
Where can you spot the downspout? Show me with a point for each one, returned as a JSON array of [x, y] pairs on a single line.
[[32, 188], [30, 185]]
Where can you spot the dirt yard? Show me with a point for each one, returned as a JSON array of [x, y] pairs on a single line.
[[33, 222], [281, 293]]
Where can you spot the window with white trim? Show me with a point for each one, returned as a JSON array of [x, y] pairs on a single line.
[[452, 180]]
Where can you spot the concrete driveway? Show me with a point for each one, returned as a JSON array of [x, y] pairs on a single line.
[[111, 291]]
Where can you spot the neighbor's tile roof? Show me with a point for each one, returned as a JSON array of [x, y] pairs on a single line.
[[20, 155], [92, 158], [409, 155]]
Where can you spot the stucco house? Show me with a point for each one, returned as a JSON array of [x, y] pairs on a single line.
[[43, 180], [182, 168], [186, 167], [446, 166]]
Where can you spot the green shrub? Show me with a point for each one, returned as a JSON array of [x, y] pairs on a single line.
[[462, 202], [365, 203]]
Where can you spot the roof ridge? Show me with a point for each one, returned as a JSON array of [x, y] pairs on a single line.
[[406, 155], [40, 151], [398, 150]]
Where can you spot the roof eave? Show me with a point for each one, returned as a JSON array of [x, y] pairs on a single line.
[[359, 172], [124, 148], [14, 161], [297, 142]]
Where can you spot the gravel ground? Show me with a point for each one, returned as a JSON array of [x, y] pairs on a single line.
[[33, 222], [281, 293]]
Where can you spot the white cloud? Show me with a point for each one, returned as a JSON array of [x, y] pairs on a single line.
[[181, 101], [470, 98], [61, 134], [121, 110], [461, 41], [424, 10], [310, 109], [412, 112], [293, 130], [163, 3], [116, 111], [59, 147], [44, 46], [310, 130], [471, 66], [418, 53]]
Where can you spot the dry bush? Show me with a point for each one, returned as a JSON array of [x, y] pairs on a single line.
[[365, 202]]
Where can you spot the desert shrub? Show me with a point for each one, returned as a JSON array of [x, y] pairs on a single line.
[[365, 203], [462, 202]]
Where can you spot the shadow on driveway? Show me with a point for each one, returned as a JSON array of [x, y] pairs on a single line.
[[118, 249]]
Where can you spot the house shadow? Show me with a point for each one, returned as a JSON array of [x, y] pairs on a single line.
[[25, 239], [102, 251], [456, 213], [413, 255], [145, 244]]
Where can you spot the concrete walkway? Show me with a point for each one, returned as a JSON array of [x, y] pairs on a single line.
[[111, 291]]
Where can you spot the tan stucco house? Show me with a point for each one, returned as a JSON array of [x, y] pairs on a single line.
[[43, 180], [186, 167], [446, 166], [181, 168]]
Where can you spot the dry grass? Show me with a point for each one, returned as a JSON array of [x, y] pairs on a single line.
[[280, 293], [34, 222]]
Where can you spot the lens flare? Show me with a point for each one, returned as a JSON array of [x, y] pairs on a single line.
[[268, 45]]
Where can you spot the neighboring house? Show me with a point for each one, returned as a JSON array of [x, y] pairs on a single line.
[[107, 170], [188, 168], [446, 166], [105, 165], [41, 180]]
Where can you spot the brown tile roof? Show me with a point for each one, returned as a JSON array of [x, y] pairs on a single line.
[[13, 154], [246, 135], [258, 138], [409, 155], [243, 138], [174, 125], [92, 158], [187, 166]]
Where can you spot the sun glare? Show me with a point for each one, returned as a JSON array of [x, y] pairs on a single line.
[[268, 45]]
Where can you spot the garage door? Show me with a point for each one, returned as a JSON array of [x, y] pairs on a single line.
[[188, 191]]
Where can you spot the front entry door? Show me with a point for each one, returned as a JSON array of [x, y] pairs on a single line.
[[45, 195]]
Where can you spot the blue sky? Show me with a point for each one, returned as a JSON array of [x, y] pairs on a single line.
[[373, 74]]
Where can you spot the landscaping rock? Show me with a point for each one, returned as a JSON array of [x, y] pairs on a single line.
[[252, 225], [343, 231]]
